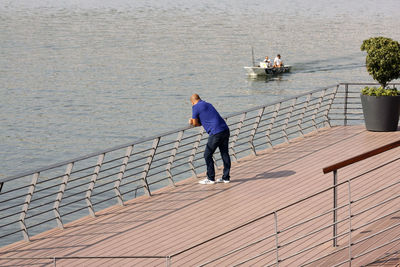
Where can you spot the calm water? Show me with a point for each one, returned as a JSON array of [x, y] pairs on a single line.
[[79, 76]]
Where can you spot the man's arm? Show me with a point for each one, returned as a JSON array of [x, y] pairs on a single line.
[[194, 122]]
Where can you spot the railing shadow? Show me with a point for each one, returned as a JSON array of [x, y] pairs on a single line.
[[267, 175]]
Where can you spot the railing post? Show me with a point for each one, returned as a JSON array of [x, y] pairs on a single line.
[[326, 115], [236, 134], [350, 225], [288, 119], [254, 130], [346, 93], [300, 120], [60, 194], [271, 124], [276, 237], [172, 157], [317, 109], [121, 175], [92, 183], [215, 162], [335, 208], [25, 207], [168, 261], [194, 151], [148, 165]]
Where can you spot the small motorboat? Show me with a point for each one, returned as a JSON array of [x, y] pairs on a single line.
[[264, 70]]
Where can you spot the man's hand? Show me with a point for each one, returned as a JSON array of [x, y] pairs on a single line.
[[194, 122]]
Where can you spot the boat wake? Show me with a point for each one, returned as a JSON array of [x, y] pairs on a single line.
[[305, 68], [329, 64]]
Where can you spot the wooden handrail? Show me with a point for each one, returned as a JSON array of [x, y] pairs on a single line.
[[360, 157]]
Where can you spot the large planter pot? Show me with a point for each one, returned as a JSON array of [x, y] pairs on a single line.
[[381, 113]]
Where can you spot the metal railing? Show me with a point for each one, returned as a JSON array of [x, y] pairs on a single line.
[[51, 196], [384, 204], [335, 167], [277, 250], [38, 200], [53, 260]]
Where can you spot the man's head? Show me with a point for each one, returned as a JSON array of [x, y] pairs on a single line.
[[266, 57], [194, 99], [279, 56]]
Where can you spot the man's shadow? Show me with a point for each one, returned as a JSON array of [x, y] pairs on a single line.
[[268, 175]]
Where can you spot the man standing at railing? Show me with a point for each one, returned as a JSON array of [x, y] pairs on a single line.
[[205, 114]]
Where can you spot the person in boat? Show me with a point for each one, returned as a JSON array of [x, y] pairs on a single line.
[[278, 62], [267, 61]]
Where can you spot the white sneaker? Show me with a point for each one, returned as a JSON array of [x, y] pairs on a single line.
[[206, 181], [220, 180]]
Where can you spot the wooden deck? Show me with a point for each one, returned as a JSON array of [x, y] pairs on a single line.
[[174, 219]]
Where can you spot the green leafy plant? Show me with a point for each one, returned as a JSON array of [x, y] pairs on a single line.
[[383, 63], [380, 91]]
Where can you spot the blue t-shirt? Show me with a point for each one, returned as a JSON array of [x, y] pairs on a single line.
[[209, 117]]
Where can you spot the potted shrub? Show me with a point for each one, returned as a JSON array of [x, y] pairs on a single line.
[[381, 105]]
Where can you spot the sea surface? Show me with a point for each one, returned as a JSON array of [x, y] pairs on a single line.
[[83, 75]]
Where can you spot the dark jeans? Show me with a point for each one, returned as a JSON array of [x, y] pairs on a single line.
[[220, 140]]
